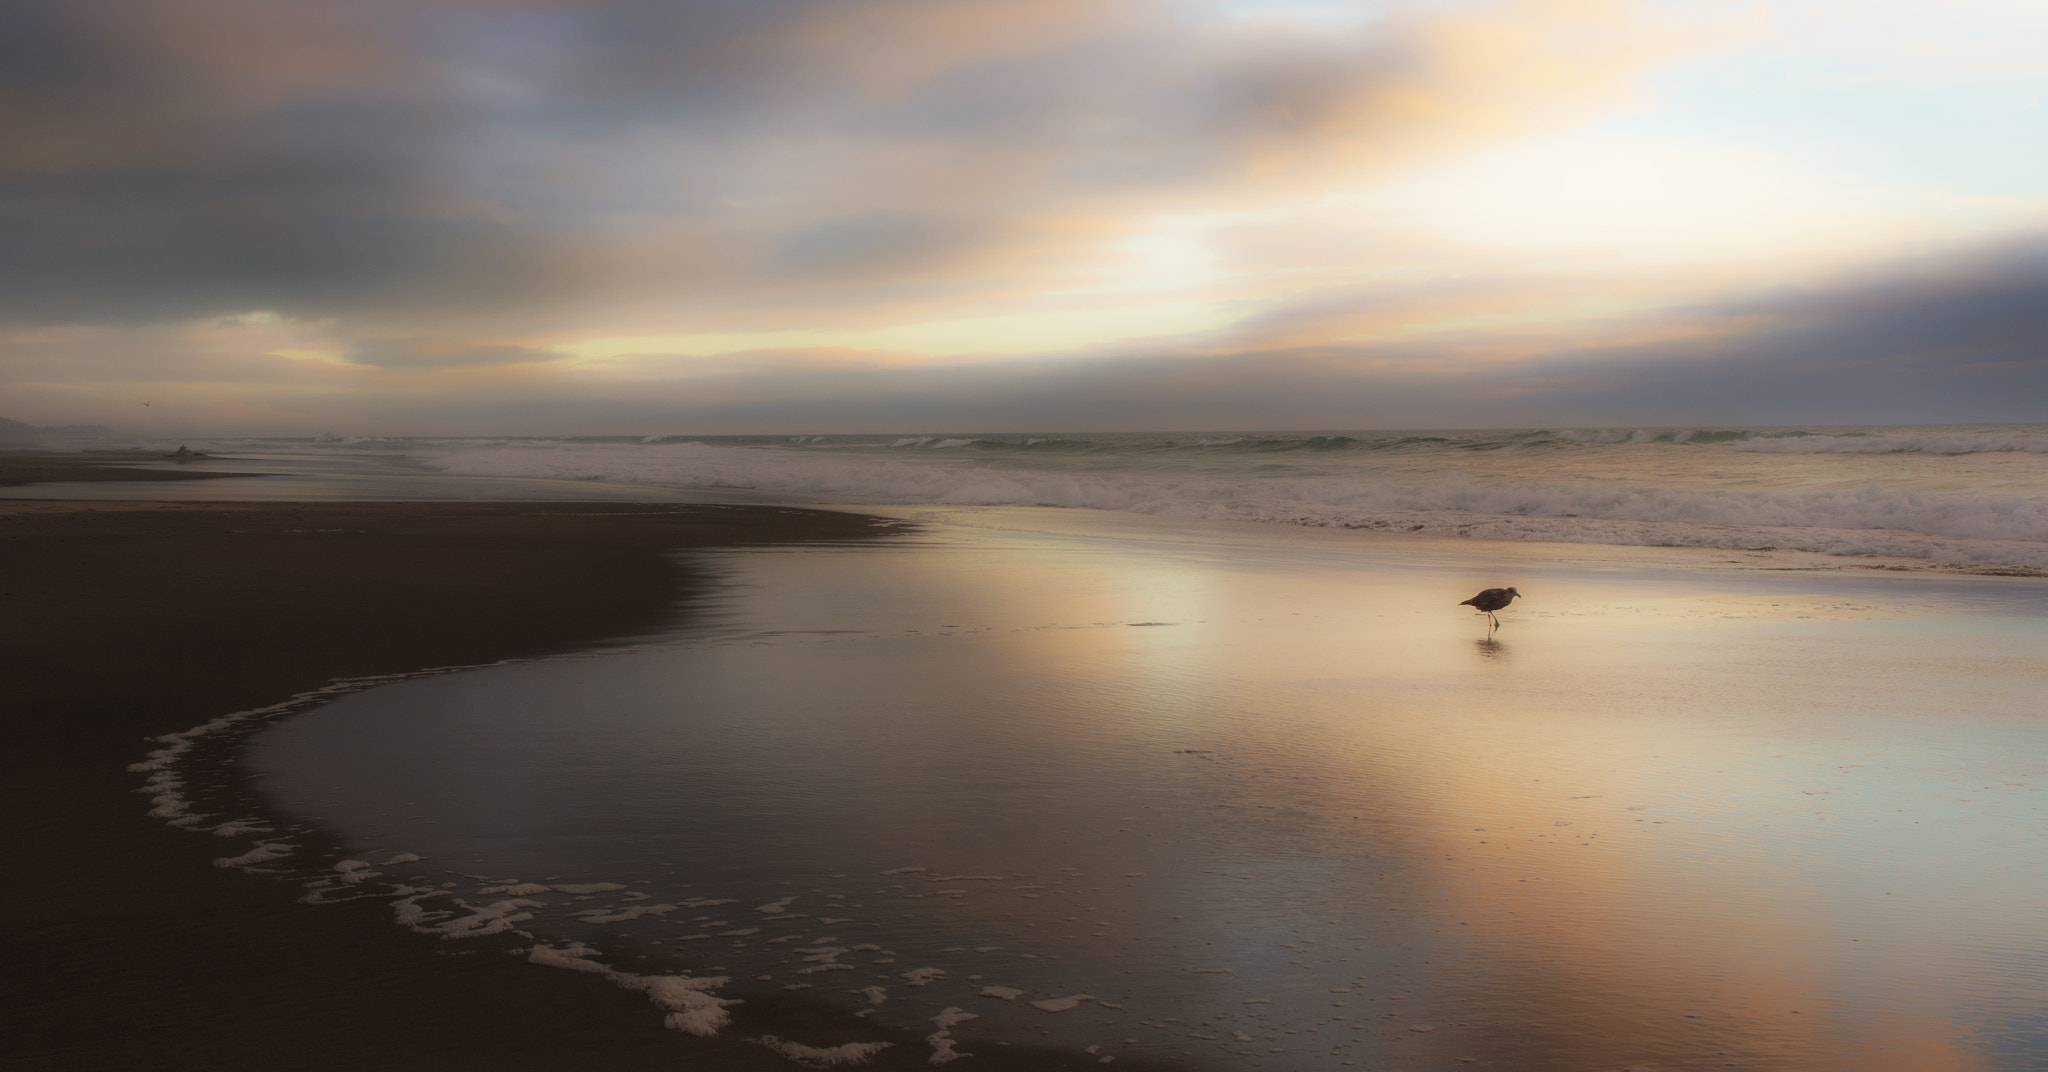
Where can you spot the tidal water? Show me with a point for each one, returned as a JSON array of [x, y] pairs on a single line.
[[1242, 798], [1972, 497]]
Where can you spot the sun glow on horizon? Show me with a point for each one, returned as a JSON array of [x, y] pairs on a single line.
[[1042, 331], [464, 203]]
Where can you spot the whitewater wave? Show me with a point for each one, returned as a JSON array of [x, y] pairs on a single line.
[[1881, 443], [1340, 444], [1955, 529]]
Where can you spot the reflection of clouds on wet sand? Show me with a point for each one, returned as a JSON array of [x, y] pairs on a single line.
[[1229, 798], [1673, 837]]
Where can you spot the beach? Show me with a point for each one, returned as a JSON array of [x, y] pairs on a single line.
[[129, 621], [1226, 798], [22, 467], [1260, 536], [1063, 784], [1251, 536]]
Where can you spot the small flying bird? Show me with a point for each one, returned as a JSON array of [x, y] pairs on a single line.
[[1491, 600]]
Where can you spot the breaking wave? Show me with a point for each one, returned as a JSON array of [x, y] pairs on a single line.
[[1881, 443], [1530, 495]]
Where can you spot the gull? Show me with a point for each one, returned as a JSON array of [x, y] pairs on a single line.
[[1491, 600]]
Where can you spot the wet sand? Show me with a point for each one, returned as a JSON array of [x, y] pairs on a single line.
[[38, 467], [1673, 813], [129, 620]]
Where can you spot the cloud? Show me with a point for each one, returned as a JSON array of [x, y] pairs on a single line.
[[411, 212], [443, 354], [1949, 338], [449, 167], [1961, 336]]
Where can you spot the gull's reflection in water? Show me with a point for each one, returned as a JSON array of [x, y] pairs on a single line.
[[1490, 648]]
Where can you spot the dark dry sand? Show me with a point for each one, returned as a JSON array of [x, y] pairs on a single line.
[[128, 950]]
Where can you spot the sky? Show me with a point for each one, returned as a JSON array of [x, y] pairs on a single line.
[[294, 217]]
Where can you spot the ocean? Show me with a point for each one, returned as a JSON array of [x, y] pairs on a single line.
[[1970, 497], [1179, 750]]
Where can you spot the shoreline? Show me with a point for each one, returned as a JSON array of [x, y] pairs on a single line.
[[1565, 684], [129, 622], [136, 619], [23, 467], [1762, 547], [133, 620]]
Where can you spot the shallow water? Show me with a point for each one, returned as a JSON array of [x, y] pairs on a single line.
[[1270, 802], [1950, 496], [335, 477]]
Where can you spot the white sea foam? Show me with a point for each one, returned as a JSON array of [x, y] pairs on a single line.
[[494, 918], [1987, 442], [166, 788], [690, 1005], [823, 958], [264, 852], [945, 1050], [848, 1053], [624, 914], [951, 1016], [408, 913], [1830, 491], [520, 889], [1613, 486], [692, 1008], [590, 887], [571, 959], [355, 872], [688, 1002]]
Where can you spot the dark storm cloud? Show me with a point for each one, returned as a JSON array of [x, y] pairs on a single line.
[[1956, 338], [480, 166], [176, 160]]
